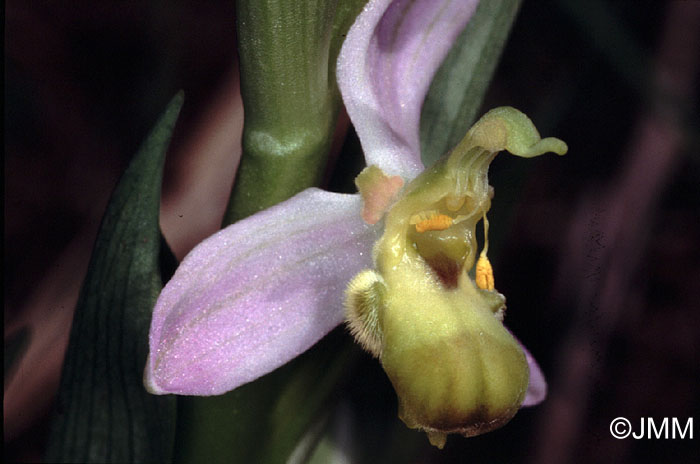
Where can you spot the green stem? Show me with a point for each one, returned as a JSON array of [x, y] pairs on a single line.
[[287, 56]]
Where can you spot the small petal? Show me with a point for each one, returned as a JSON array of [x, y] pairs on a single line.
[[257, 294], [378, 191], [385, 68]]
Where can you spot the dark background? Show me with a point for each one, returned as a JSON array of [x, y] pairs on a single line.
[[597, 252]]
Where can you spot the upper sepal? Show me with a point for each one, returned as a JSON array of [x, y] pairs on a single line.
[[385, 67]]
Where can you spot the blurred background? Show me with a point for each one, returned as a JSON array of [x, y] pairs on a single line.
[[597, 252]]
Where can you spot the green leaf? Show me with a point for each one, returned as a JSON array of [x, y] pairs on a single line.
[[287, 56], [104, 413], [460, 84]]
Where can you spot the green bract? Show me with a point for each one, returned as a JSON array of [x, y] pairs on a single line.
[[439, 334]]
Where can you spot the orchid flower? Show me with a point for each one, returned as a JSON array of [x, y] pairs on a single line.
[[265, 289]]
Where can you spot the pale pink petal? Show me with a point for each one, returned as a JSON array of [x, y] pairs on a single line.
[[257, 294], [385, 67], [537, 389]]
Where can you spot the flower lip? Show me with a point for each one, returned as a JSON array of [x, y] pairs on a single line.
[[438, 333]]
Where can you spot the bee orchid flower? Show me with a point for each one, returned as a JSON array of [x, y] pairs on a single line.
[[262, 291]]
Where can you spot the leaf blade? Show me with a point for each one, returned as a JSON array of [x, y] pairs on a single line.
[[104, 413]]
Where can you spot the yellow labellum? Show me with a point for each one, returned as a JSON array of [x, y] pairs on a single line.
[[437, 332]]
